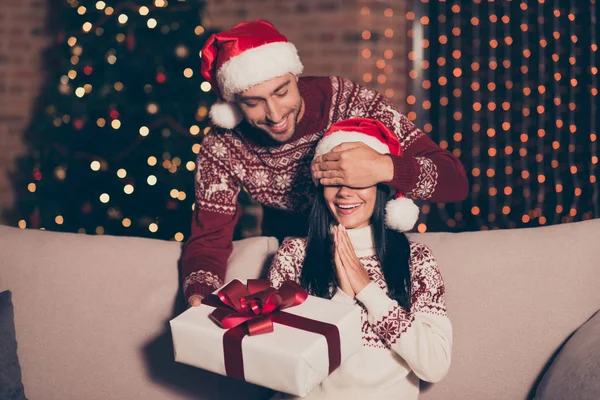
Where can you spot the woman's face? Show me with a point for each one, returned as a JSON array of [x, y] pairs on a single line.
[[352, 208]]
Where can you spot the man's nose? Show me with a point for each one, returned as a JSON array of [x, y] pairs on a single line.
[[274, 113]]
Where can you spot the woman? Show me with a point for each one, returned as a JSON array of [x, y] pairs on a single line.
[[356, 252]]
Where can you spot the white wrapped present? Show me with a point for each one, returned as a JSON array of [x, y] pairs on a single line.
[[291, 359]]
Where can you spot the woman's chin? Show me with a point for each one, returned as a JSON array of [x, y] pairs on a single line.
[[350, 222]]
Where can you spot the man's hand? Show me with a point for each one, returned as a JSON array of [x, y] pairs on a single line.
[[358, 277], [352, 164], [195, 300]]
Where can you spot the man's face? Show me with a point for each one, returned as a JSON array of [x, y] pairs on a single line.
[[274, 106]]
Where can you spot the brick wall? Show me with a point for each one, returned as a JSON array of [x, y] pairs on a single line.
[[363, 40], [334, 37], [22, 40]]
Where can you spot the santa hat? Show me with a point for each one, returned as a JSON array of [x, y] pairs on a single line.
[[401, 213], [233, 61]]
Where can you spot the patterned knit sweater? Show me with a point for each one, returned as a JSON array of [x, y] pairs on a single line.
[[399, 347], [278, 175]]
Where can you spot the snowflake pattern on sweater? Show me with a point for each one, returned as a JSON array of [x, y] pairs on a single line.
[[278, 178], [428, 291], [278, 175], [205, 278]]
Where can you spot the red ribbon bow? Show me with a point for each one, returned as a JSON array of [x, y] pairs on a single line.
[[252, 310], [255, 303]]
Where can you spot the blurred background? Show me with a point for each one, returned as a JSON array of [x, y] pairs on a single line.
[[103, 108]]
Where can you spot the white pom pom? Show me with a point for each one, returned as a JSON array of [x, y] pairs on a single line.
[[401, 214], [226, 115]]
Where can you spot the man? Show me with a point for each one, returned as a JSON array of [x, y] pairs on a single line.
[[267, 123]]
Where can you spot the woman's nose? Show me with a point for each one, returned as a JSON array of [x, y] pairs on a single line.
[[345, 191]]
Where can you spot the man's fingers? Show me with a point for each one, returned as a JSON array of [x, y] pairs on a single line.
[[326, 165], [328, 174], [332, 181], [344, 146], [195, 301], [331, 156]]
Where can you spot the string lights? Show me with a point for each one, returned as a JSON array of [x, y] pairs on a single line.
[[476, 126], [507, 121], [573, 152], [492, 117], [593, 107], [444, 95], [380, 66], [540, 89], [510, 87], [521, 79]]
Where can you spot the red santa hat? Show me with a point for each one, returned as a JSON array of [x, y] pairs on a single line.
[[401, 213], [233, 61]]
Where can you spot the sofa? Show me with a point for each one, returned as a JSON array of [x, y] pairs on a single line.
[[91, 312]]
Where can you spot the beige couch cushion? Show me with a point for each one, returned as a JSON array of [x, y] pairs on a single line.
[[514, 296], [91, 314]]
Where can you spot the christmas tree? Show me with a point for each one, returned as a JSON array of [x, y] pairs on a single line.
[[118, 123]]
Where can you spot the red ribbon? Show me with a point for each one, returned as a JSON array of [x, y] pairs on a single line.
[[254, 304], [252, 309]]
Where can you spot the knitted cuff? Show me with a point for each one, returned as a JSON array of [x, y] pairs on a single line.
[[406, 173], [198, 289], [375, 300], [342, 297]]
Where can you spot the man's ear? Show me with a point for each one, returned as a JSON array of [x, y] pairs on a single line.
[[296, 77]]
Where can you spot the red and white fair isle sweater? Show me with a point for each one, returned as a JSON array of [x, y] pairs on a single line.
[[278, 175], [399, 347]]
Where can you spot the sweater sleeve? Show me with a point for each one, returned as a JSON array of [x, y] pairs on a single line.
[[423, 336], [287, 262], [424, 171], [341, 297], [216, 212]]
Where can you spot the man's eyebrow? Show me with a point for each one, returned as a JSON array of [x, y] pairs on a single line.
[[277, 89], [246, 98], [284, 84]]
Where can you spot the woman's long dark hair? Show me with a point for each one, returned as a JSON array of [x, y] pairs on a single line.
[[392, 249]]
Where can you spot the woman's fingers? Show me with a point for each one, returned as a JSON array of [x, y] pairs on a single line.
[[358, 276], [341, 274], [336, 252], [337, 259], [347, 250], [347, 261]]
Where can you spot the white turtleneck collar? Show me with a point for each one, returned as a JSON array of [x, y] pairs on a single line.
[[362, 241]]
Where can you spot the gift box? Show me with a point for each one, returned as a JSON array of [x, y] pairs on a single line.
[[305, 342]]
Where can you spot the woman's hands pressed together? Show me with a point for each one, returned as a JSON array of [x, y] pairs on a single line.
[[352, 276]]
